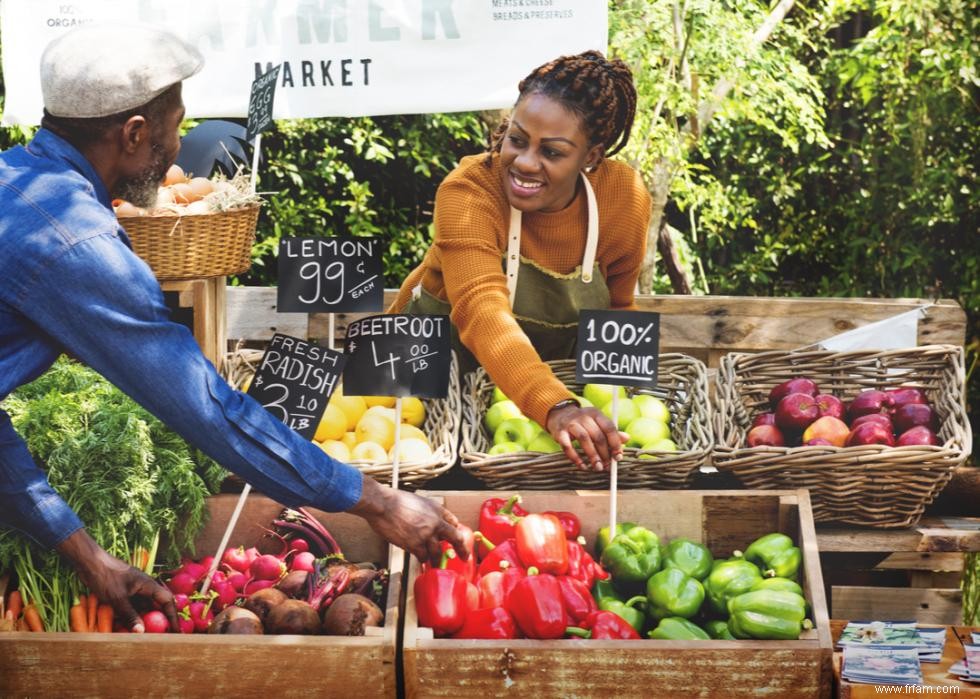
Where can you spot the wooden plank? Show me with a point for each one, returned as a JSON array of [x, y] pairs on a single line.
[[932, 534], [927, 606], [251, 315], [923, 561]]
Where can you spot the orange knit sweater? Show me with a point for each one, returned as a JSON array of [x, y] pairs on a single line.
[[464, 265]]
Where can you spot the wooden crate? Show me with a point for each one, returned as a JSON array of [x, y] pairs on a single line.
[[171, 665], [724, 520]]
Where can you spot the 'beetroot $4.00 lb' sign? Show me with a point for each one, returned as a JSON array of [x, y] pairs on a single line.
[[398, 355]]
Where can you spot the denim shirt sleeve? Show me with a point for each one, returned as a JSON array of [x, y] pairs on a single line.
[[102, 304]]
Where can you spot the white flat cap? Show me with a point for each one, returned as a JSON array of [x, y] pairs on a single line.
[[100, 69]]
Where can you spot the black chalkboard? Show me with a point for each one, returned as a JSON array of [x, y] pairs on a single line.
[[340, 274], [618, 347], [295, 380], [398, 355], [260, 103]]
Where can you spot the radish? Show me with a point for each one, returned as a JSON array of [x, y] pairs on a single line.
[[267, 567], [303, 561], [237, 580], [201, 615], [226, 594], [181, 600], [195, 570], [186, 624], [299, 545], [236, 559], [253, 586], [182, 583], [155, 621]]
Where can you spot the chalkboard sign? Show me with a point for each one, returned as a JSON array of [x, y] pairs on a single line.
[[618, 347], [340, 274], [260, 103], [398, 355], [295, 380]]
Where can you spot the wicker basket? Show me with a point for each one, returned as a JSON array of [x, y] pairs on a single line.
[[441, 426], [871, 485], [682, 384], [194, 247]]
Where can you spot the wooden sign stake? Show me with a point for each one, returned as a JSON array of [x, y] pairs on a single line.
[[225, 537], [613, 470], [255, 161], [330, 330], [394, 448]]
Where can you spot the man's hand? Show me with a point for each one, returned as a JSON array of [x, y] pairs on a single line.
[[596, 435], [116, 582], [408, 521]]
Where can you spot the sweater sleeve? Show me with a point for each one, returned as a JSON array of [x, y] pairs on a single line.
[[632, 218]]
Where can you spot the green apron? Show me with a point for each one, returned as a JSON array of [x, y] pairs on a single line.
[[545, 304]]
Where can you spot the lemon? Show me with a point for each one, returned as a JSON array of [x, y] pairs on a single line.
[[332, 425], [353, 407], [349, 438], [245, 384], [410, 450], [383, 401], [375, 428], [413, 411], [336, 449], [386, 413], [413, 432], [372, 452]]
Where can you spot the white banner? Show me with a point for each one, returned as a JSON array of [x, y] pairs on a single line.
[[339, 57]]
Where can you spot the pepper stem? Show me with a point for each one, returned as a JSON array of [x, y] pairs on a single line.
[[489, 545], [533, 570], [507, 507], [446, 555], [578, 632], [635, 600]]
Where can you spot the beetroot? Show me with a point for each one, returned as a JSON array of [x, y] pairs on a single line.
[[349, 614], [293, 617], [235, 620], [262, 602], [294, 583]]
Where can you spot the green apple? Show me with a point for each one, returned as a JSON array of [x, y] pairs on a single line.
[[498, 412], [646, 430], [544, 443], [498, 395], [652, 407], [584, 402], [515, 429], [505, 448], [660, 445], [601, 393], [626, 412]]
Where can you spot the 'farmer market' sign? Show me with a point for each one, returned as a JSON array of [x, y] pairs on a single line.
[[338, 57]]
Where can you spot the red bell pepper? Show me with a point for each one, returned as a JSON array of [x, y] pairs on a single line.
[[536, 605], [602, 625], [504, 551], [465, 568], [498, 517], [577, 599], [440, 598], [497, 584], [569, 522], [493, 623], [541, 543], [472, 597], [581, 565]]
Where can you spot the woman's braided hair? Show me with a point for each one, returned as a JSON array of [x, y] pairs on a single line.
[[601, 91]]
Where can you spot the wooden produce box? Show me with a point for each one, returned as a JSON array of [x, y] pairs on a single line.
[[724, 521], [201, 665]]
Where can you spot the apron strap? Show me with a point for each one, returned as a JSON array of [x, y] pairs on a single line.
[[591, 242]]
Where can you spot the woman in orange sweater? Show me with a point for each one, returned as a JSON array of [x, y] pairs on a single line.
[[541, 227]]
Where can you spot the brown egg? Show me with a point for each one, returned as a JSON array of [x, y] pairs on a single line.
[[183, 194], [165, 195], [126, 209], [201, 186], [197, 207], [174, 175]]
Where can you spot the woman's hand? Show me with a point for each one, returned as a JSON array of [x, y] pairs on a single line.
[[595, 433], [116, 582]]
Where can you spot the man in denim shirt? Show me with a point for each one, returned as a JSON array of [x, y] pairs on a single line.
[[69, 282]]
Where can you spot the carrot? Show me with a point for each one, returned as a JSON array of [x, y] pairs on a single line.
[[33, 618], [104, 617], [15, 603], [92, 604], [77, 621]]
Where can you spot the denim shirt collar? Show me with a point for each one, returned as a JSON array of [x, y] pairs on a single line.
[[47, 144]]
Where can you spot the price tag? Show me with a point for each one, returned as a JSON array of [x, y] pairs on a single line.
[[340, 274], [295, 380], [618, 347], [260, 103], [398, 355]]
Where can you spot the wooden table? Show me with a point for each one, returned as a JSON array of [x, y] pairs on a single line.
[[934, 674]]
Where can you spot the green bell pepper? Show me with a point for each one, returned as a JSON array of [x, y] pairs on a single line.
[[672, 592], [608, 599], [776, 555], [675, 628], [633, 556], [728, 579], [779, 584], [693, 558], [718, 629], [768, 615], [602, 538]]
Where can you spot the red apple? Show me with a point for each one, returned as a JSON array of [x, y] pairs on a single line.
[[914, 414], [796, 411], [818, 442], [870, 433], [917, 436], [829, 428], [880, 418], [871, 401], [798, 384], [829, 404], [764, 419], [903, 395], [765, 436]]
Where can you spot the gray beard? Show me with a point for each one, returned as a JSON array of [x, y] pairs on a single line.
[[142, 190]]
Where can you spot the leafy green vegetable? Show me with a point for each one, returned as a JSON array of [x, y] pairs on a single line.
[[128, 477]]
